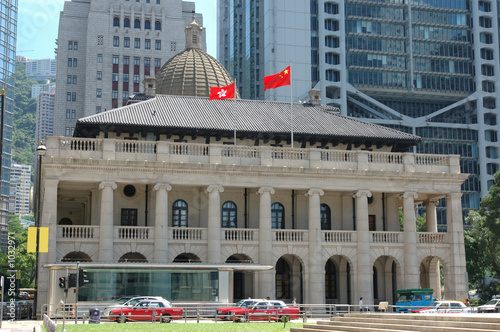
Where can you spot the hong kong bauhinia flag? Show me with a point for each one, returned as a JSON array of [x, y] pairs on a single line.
[[280, 79], [223, 92]]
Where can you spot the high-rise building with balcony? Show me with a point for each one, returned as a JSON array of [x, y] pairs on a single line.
[[8, 38], [107, 47], [20, 189], [45, 116], [41, 69], [427, 67]]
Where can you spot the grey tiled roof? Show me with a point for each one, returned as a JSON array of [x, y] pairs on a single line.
[[169, 113]]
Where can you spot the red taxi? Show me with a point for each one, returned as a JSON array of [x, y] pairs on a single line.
[[265, 311], [223, 313], [146, 311]]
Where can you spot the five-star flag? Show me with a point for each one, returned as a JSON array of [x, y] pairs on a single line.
[[280, 79], [223, 92]]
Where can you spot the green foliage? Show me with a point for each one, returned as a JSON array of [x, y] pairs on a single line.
[[23, 140], [24, 262], [420, 221], [482, 242]]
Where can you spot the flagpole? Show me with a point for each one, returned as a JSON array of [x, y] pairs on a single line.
[[291, 104], [234, 112]]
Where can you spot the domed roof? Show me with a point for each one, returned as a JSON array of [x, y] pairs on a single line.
[[192, 72]]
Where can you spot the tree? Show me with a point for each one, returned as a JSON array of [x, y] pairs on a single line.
[[23, 138], [420, 222], [24, 262], [482, 241]]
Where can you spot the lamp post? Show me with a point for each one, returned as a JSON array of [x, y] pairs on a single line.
[[41, 149]]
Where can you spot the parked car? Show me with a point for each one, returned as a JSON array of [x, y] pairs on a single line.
[[444, 307], [408, 299], [222, 313], [266, 310], [490, 306], [156, 310], [17, 310], [132, 302]]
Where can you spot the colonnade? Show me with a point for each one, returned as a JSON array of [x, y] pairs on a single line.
[[314, 266]]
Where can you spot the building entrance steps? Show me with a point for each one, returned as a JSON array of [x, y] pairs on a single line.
[[406, 322]]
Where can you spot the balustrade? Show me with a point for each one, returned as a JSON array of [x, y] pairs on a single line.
[[386, 237], [339, 236], [188, 233], [112, 149], [431, 238], [240, 234], [77, 232], [289, 235], [134, 233]]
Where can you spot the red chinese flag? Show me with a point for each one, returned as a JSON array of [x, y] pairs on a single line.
[[223, 92], [277, 80]]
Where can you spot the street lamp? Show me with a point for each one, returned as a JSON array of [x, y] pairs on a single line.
[[41, 149]]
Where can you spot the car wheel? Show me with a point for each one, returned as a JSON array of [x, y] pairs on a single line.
[[166, 318], [121, 319]]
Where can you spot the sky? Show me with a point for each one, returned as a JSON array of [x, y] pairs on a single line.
[[38, 21]]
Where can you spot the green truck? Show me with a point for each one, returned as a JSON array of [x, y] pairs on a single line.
[[407, 299]]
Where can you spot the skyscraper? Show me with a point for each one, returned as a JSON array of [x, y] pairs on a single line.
[[428, 67], [107, 47], [8, 37], [45, 116], [20, 189]]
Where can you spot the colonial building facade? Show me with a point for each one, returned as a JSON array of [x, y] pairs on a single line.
[[155, 198]]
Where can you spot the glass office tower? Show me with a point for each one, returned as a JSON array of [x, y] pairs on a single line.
[[428, 67], [8, 37]]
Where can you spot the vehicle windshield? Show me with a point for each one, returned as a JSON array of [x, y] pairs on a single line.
[[133, 302], [404, 297], [491, 302], [243, 303]]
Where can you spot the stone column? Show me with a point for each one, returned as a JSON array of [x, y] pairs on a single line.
[[431, 216], [106, 229], [364, 271], [412, 272], [160, 254], [266, 281], [214, 223], [431, 227], [455, 281], [316, 280], [48, 219]]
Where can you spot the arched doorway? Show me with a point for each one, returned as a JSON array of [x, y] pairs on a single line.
[[289, 279], [242, 280], [337, 280], [386, 278], [432, 275]]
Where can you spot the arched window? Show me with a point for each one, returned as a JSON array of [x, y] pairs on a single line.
[[229, 215], [137, 23], [326, 217], [330, 280], [158, 26], [282, 279], [126, 22], [277, 216], [116, 22], [147, 25], [180, 214]]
